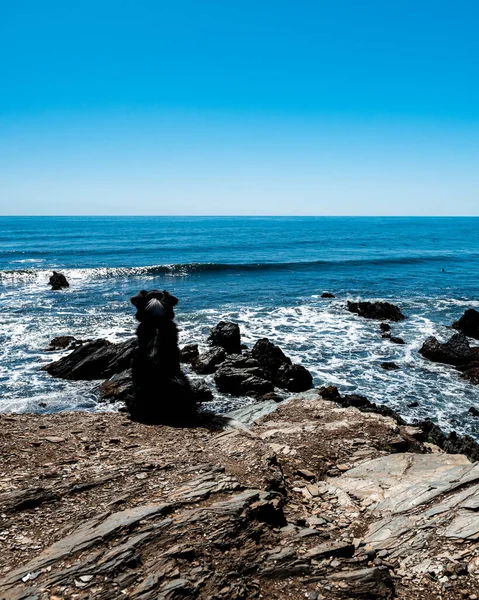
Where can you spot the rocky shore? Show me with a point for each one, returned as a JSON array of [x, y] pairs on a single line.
[[299, 499]]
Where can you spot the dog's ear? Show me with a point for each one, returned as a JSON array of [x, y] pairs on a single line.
[[139, 300], [169, 299]]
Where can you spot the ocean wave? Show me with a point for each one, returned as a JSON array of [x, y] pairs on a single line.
[[198, 268]]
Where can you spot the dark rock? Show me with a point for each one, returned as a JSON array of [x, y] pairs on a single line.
[[471, 374], [272, 396], [294, 378], [365, 405], [189, 353], [456, 351], [355, 400], [117, 388], [279, 369], [473, 411], [396, 340], [377, 310], [58, 281], [98, 359], [385, 327], [330, 392], [468, 324], [208, 361], [327, 295], [413, 404], [61, 342], [389, 366], [242, 382], [201, 391], [226, 335], [452, 442]]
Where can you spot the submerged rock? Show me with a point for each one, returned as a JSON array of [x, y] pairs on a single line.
[[389, 366], [327, 295], [58, 281], [98, 359], [468, 324], [376, 310], [226, 335]]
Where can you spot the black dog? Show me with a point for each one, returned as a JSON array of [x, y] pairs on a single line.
[[162, 393]]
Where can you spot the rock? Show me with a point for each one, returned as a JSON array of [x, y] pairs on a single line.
[[189, 353], [473, 411], [294, 378], [327, 295], [389, 366], [355, 400], [62, 342], [371, 584], [376, 310], [385, 327], [208, 362], [58, 281], [330, 392], [393, 339], [279, 369], [472, 374], [413, 404], [456, 351], [226, 335], [201, 391], [468, 324], [344, 549], [242, 382], [98, 359], [117, 388]]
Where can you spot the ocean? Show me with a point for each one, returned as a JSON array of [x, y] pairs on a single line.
[[267, 274]]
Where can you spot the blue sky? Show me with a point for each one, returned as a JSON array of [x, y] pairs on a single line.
[[225, 107]]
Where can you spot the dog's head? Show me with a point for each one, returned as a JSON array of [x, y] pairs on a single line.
[[154, 305]]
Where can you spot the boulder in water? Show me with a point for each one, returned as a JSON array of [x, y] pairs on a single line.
[[456, 351], [58, 281], [468, 324], [327, 295], [384, 311], [389, 366], [98, 359], [226, 335]]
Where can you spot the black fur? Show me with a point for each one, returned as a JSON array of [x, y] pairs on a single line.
[[162, 393]]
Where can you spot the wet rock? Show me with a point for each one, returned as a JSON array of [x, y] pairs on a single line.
[[393, 339], [385, 327], [413, 404], [327, 295], [456, 351], [117, 388], [471, 374], [208, 362], [62, 342], [242, 382], [226, 335], [468, 324], [201, 391], [389, 366], [473, 411], [98, 359], [376, 310], [189, 353], [58, 281], [279, 369]]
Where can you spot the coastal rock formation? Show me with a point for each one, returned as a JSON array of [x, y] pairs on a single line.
[[279, 369], [226, 335], [189, 353], [58, 281], [118, 388], [97, 359], [311, 501], [208, 361], [327, 295], [456, 351], [468, 324], [383, 311], [63, 342]]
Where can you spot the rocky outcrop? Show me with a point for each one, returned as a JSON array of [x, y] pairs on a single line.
[[98, 359], [279, 369], [456, 351], [58, 281], [189, 353], [226, 335], [383, 311], [327, 295], [468, 324], [245, 381], [312, 501], [208, 361], [63, 342], [118, 388]]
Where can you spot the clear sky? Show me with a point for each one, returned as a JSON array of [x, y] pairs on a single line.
[[321, 107]]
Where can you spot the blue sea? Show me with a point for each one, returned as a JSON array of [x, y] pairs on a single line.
[[267, 274]]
